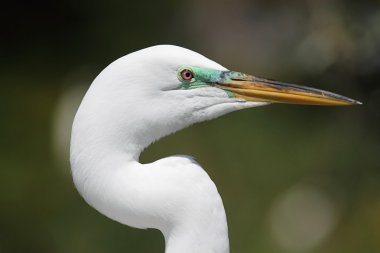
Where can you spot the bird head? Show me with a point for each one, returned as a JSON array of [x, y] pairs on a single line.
[[161, 89]]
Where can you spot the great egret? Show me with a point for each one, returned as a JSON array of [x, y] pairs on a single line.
[[142, 97]]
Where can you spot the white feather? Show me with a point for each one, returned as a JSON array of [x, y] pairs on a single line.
[[132, 103]]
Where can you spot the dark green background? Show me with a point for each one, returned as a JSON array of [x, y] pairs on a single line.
[[52, 50]]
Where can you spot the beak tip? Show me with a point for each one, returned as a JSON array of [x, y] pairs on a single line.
[[355, 102]]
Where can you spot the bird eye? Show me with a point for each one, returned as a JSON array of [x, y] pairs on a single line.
[[187, 74]]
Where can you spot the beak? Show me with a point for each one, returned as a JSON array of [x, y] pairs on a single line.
[[250, 88]]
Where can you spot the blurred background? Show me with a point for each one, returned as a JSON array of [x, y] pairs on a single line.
[[292, 178]]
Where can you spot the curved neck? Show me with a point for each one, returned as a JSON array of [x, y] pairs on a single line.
[[174, 194]]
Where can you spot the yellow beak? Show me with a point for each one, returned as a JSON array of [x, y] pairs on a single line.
[[251, 88]]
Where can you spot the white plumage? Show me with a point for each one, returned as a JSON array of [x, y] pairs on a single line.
[[132, 103]]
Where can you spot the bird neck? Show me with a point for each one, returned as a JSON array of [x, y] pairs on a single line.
[[174, 195], [202, 235]]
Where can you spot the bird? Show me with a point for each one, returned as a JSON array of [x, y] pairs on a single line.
[[142, 97]]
